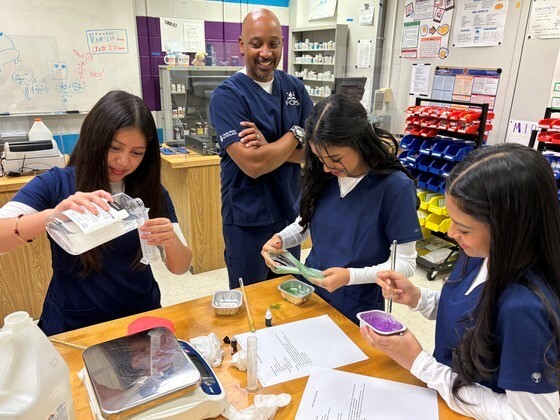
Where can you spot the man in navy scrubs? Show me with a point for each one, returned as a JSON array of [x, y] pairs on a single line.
[[257, 114]]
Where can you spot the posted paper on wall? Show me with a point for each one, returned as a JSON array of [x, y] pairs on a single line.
[[332, 394], [420, 79], [544, 21], [426, 28], [480, 24], [289, 351]]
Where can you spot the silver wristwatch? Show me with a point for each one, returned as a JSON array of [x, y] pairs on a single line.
[[299, 134]]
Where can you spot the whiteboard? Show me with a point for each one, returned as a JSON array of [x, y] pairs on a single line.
[[63, 55]]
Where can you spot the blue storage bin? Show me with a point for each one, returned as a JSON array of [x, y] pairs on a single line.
[[402, 157], [457, 152], [412, 156], [435, 167], [441, 187], [446, 169], [423, 180], [440, 146], [410, 142], [426, 146], [435, 183], [423, 162]]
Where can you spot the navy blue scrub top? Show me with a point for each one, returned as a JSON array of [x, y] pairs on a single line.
[[74, 301], [522, 327], [358, 230]]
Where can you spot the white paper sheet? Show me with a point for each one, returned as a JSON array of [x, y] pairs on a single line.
[[363, 53], [289, 351], [420, 79], [332, 394]]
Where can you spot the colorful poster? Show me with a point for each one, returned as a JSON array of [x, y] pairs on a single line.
[[466, 84], [426, 28], [480, 23]]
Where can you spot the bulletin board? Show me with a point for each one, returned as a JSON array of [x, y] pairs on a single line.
[[63, 55], [466, 84]]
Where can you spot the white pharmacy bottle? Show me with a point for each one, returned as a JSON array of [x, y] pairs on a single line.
[[35, 382], [39, 131], [77, 232]]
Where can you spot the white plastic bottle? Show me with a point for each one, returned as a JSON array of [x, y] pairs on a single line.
[[77, 232], [34, 378], [39, 131]]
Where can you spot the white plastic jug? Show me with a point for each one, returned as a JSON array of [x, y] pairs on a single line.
[[34, 379], [77, 232], [39, 131]]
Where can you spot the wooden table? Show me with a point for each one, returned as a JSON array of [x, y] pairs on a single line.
[[196, 318]]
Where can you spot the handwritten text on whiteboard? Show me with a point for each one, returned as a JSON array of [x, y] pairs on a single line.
[[107, 41]]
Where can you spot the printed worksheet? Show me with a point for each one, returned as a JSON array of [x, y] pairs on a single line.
[[332, 394], [290, 351]]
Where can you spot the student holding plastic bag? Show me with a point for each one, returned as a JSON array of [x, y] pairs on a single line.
[[356, 200]]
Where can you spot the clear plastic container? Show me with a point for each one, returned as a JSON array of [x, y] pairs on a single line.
[[34, 379], [77, 232], [39, 131]]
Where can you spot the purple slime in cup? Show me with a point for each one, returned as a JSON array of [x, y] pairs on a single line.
[[382, 322]]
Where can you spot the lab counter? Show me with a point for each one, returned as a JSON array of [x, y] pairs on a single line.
[[196, 318], [25, 272], [193, 181]]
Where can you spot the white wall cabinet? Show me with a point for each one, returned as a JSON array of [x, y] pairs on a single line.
[[318, 55]]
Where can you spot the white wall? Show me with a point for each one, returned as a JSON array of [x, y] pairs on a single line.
[[527, 64]]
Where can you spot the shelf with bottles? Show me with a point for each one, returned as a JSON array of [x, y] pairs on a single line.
[[319, 50], [185, 94]]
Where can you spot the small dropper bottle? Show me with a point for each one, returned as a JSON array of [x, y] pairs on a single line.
[[268, 318]]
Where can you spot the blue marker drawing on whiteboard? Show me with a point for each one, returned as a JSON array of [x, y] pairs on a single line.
[[8, 52], [23, 76], [68, 89], [60, 70], [26, 79]]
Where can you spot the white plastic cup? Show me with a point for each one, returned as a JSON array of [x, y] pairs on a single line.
[[252, 363]]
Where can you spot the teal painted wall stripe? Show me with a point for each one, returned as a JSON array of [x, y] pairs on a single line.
[[67, 142]]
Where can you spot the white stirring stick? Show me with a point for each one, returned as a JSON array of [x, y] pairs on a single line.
[[389, 308]]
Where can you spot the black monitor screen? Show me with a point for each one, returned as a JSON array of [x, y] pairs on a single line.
[[351, 86]]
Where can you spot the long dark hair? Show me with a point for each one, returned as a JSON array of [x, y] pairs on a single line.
[[509, 188], [114, 111], [341, 121]]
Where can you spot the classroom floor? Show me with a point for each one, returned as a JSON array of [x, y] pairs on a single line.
[[175, 289]]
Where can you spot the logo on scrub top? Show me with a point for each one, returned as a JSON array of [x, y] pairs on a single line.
[[536, 377], [291, 99]]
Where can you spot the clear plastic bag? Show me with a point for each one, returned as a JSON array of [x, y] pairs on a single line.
[[288, 264]]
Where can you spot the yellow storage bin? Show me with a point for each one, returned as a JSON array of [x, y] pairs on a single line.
[[437, 205], [422, 216], [437, 222], [426, 233]]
